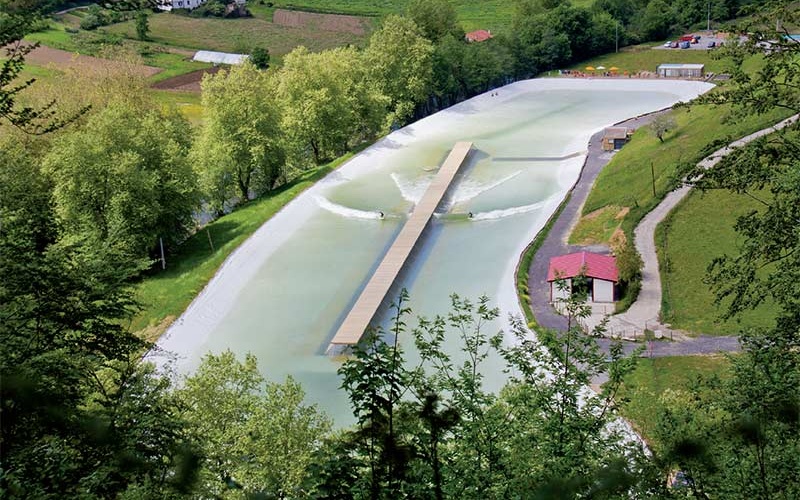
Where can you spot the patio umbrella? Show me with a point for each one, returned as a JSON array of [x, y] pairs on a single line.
[[589, 68], [613, 69], [601, 67]]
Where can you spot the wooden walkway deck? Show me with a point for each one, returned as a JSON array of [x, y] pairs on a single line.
[[371, 298]]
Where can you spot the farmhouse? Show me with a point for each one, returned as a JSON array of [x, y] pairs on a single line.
[[478, 36], [681, 70], [615, 137], [600, 272]]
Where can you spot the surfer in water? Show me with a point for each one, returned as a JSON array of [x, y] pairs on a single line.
[[381, 212], [470, 215]]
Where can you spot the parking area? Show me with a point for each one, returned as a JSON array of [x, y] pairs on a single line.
[[699, 41]]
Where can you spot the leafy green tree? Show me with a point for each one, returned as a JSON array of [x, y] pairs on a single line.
[[436, 18], [399, 65], [257, 438], [123, 181], [78, 418], [752, 451], [260, 57], [142, 25], [327, 102], [239, 151], [16, 20]]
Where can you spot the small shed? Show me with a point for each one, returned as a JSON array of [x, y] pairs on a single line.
[[478, 36], [599, 270], [681, 70], [615, 137], [210, 56]]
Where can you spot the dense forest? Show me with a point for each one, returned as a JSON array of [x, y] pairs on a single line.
[[94, 178]]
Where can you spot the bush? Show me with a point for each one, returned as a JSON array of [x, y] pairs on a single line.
[[90, 22]]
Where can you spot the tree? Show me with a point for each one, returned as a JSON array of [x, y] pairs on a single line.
[[399, 64], [15, 22], [436, 19], [256, 437], [142, 25], [123, 180], [662, 124], [239, 151], [327, 102], [78, 418], [260, 58]]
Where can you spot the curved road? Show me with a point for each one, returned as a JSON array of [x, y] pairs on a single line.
[[645, 311]]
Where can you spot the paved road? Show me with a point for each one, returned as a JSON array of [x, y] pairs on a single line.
[[645, 311], [555, 242]]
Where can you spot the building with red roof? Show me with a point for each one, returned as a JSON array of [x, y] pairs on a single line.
[[478, 36], [600, 271]]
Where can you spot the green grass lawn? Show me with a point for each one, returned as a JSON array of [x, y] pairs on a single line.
[[165, 295], [173, 64], [644, 387], [626, 180], [488, 14], [234, 35], [643, 57], [699, 229]]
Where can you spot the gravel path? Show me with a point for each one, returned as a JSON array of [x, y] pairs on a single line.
[[645, 311]]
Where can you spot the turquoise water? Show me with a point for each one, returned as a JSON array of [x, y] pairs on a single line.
[[292, 298]]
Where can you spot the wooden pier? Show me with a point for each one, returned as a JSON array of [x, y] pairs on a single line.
[[371, 298]]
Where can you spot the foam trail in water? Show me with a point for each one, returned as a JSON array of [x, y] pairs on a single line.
[[350, 213], [508, 212], [469, 188], [412, 190]]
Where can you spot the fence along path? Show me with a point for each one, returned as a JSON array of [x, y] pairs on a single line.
[[371, 298]]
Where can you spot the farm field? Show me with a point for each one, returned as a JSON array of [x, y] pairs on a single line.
[[235, 35], [687, 302]]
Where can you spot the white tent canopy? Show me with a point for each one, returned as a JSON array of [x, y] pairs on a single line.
[[219, 57]]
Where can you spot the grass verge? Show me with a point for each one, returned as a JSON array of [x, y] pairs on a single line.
[[699, 229], [525, 260], [166, 294], [644, 387]]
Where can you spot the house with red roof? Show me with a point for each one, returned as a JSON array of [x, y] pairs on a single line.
[[478, 36], [600, 271]]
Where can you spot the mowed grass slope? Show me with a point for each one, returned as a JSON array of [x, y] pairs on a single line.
[[653, 376], [164, 295], [698, 230], [235, 35], [626, 181]]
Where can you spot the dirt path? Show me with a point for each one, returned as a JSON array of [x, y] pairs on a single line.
[[188, 82]]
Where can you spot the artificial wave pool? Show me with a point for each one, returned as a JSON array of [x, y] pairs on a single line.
[[284, 292]]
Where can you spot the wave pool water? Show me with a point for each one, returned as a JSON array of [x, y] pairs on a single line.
[[284, 292]]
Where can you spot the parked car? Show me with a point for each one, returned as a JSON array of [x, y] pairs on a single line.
[[684, 45], [673, 45], [668, 44], [711, 45]]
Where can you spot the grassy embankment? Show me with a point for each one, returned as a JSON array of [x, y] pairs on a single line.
[[645, 387], [699, 229], [644, 57], [166, 294]]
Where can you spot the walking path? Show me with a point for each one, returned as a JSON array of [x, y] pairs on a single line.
[[644, 313]]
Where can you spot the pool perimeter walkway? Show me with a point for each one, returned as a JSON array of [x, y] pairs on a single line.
[[371, 298]]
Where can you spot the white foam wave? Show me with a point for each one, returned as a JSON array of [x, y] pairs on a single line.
[[350, 213], [412, 190], [469, 188], [508, 212]]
